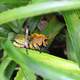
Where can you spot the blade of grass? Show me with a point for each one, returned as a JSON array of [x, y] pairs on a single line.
[[70, 51], [6, 69], [49, 67], [13, 2], [73, 25], [33, 23], [25, 75], [53, 27], [38, 9]]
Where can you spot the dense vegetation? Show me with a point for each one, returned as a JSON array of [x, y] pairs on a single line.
[[59, 21]]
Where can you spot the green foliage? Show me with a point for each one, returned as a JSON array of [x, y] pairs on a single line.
[[6, 68], [73, 26], [52, 29], [37, 9], [30, 63], [45, 65], [25, 75]]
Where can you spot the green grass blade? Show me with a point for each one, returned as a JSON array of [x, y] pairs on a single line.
[[13, 2], [38, 9], [73, 25], [6, 68], [33, 23], [3, 66], [70, 51], [22, 74], [49, 67], [53, 27]]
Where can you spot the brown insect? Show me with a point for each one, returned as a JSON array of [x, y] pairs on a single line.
[[33, 41]]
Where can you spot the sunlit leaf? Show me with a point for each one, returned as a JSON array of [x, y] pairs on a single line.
[[73, 25], [37, 9], [43, 64]]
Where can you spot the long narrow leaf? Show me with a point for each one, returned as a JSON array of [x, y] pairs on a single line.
[[38, 9], [22, 74], [6, 68], [53, 27], [73, 25], [49, 67]]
